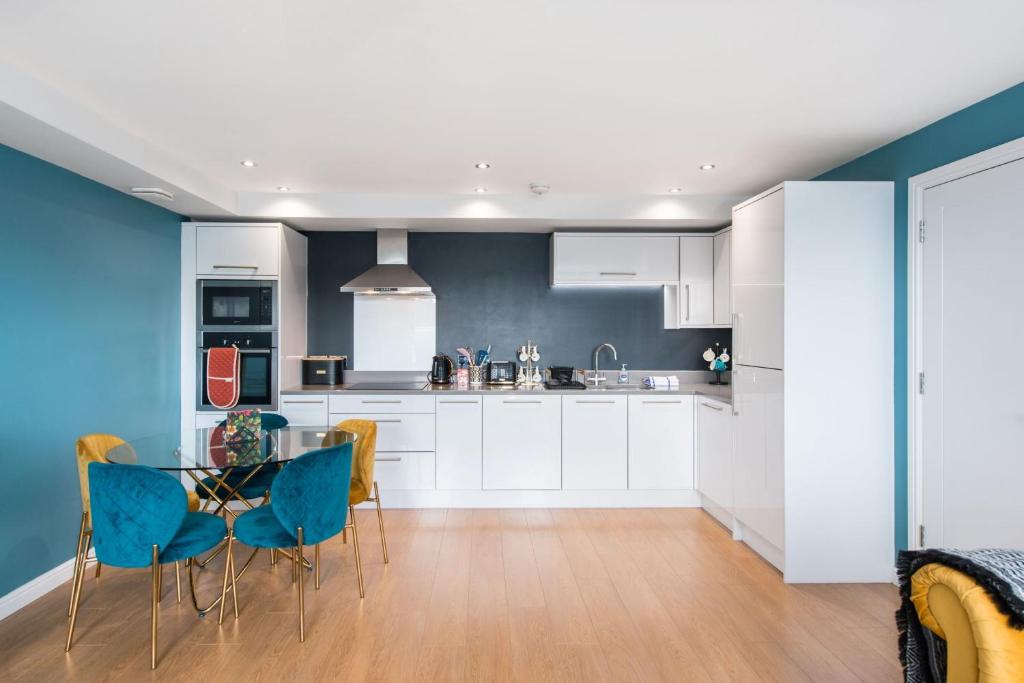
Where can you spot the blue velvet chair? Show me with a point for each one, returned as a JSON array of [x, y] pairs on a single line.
[[140, 518], [259, 484], [308, 505]]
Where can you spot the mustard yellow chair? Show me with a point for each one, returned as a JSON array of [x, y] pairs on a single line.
[[981, 646], [93, 448], [363, 485]]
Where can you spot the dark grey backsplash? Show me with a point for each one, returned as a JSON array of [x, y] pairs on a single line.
[[492, 288]]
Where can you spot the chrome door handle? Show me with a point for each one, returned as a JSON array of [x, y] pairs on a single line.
[[398, 401], [318, 402], [380, 421], [521, 402], [578, 402], [662, 401], [613, 273], [712, 406], [398, 459], [687, 303], [242, 267], [475, 403]]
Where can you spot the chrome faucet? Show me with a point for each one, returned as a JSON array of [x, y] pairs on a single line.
[[597, 379]]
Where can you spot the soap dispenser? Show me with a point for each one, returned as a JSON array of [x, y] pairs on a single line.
[[623, 375]]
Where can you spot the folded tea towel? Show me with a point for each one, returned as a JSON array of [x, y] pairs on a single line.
[[670, 382]]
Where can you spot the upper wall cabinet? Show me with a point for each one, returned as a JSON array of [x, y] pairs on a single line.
[[723, 279], [614, 259], [696, 281], [238, 250], [757, 239]]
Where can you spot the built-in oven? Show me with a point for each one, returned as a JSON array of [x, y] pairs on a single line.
[[244, 305], [258, 372]]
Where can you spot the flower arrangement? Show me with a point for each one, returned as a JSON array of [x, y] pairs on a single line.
[[718, 362]]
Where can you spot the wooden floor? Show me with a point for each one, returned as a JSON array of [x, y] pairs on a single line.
[[484, 595]]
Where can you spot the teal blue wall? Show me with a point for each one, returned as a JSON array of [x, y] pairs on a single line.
[[89, 307], [986, 124]]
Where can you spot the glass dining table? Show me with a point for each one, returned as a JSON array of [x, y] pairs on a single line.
[[221, 465]]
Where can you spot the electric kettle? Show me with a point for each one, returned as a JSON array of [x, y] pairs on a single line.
[[441, 370]]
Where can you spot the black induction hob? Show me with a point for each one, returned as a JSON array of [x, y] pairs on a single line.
[[387, 386]]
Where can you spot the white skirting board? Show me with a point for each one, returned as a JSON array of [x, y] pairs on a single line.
[[538, 499], [36, 588]]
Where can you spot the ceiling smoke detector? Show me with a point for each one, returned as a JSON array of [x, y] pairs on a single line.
[[539, 189], [152, 193]]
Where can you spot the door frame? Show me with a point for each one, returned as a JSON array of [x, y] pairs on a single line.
[[916, 186]]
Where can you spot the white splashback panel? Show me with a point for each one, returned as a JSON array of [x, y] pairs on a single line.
[[394, 332]]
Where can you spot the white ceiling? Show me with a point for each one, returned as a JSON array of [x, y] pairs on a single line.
[[402, 97]]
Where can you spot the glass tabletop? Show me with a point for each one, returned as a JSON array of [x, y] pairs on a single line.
[[213, 448]]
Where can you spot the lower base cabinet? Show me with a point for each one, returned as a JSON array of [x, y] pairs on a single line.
[[304, 410], [759, 461], [714, 452], [594, 442], [459, 441], [661, 442], [522, 442], [404, 471]]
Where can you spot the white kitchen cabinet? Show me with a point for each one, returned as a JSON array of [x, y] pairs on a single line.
[[459, 440], [759, 454], [305, 410], [714, 452], [660, 441], [351, 402], [397, 432], [594, 442], [403, 471], [608, 258], [238, 250], [522, 442], [723, 278], [758, 325], [757, 241], [696, 280]]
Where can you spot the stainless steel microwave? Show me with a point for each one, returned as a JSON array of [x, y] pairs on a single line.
[[236, 305]]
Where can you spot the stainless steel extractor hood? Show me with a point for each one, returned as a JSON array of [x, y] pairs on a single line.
[[392, 274]]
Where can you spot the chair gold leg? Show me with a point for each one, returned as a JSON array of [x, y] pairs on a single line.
[[295, 559], [76, 595], [160, 580], [177, 579], [317, 553], [380, 522], [344, 535], [302, 585], [98, 567], [273, 557], [155, 605], [234, 586], [79, 564], [224, 584], [355, 546]]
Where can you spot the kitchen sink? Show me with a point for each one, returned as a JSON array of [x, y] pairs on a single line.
[[615, 387]]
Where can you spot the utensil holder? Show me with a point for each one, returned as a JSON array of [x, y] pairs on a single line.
[[476, 374]]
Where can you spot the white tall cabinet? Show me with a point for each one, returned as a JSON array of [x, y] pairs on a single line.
[[812, 298]]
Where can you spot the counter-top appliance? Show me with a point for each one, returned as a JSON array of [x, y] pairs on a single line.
[[236, 305], [501, 372], [323, 370], [441, 370], [563, 377]]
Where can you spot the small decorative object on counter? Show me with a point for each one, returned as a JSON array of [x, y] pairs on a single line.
[[529, 376], [623, 375], [475, 373], [718, 362], [323, 370]]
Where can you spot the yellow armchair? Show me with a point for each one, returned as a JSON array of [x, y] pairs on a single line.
[[981, 646]]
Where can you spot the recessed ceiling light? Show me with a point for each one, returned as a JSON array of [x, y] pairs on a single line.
[[675, 190], [479, 190], [483, 164], [283, 188], [707, 167], [248, 163]]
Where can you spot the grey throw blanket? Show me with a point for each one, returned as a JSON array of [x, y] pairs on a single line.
[[1000, 572]]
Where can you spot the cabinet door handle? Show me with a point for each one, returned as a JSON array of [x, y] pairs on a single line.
[[712, 406], [474, 403], [735, 398], [293, 402], [736, 336], [520, 402], [613, 273], [396, 401], [687, 303], [662, 401], [380, 421], [396, 459], [243, 267], [605, 402]]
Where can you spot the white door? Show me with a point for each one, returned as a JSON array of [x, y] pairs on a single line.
[[723, 279], [614, 259], [759, 457], [594, 442], [972, 327], [714, 451], [696, 280], [758, 325], [660, 441], [459, 439], [237, 250], [522, 437]]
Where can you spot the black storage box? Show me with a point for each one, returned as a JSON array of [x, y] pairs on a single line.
[[323, 369]]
